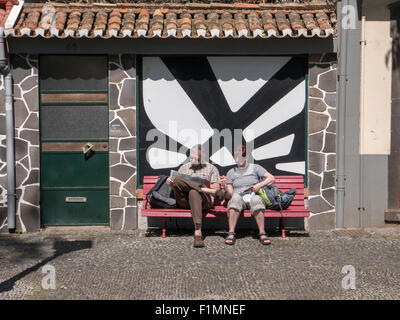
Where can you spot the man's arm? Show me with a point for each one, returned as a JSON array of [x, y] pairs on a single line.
[[229, 191], [269, 179]]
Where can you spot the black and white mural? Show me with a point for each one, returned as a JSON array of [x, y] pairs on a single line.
[[217, 101]]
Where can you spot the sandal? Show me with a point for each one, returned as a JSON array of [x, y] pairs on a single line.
[[198, 242], [230, 240], [264, 241]]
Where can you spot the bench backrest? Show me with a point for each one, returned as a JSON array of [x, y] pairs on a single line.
[[284, 183]]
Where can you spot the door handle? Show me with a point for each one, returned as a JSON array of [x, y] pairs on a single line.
[[87, 147]]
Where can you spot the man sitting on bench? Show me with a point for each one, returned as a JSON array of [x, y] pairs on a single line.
[[194, 195]]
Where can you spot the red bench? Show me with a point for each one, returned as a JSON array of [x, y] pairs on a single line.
[[284, 183]]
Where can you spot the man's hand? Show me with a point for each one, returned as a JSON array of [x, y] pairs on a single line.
[[257, 187], [223, 181]]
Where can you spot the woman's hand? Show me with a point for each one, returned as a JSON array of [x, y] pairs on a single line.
[[169, 181]]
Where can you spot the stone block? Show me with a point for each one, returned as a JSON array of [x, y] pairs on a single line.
[[315, 104], [327, 81], [128, 93], [30, 216], [317, 122], [316, 162], [117, 216], [314, 184], [322, 221], [315, 141], [122, 172], [318, 205], [330, 143]]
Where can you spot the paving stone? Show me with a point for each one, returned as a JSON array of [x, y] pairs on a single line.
[[132, 265]]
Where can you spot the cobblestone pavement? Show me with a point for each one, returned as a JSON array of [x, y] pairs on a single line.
[[104, 264]]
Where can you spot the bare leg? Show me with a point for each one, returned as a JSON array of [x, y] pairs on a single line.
[[259, 217], [233, 219], [233, 216]]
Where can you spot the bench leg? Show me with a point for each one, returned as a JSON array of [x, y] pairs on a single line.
[[282, 227], [163, 227]]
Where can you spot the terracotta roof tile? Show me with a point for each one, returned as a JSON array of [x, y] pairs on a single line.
[[175, 20]]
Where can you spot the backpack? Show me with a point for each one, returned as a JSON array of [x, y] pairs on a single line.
[[161, 195], [276, 199]]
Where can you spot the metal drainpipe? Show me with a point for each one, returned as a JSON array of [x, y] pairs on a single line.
[[6, 71], [340, 165]]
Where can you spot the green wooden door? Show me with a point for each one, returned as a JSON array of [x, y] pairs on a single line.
[[74, 165]]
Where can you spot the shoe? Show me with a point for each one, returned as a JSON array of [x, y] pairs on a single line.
[[229, 240], [264, 241], [198, 242]]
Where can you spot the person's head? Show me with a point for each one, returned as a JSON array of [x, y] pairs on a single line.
[[240, 155], [195, 155]]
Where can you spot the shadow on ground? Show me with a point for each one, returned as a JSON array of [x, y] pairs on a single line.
[[27, 250]]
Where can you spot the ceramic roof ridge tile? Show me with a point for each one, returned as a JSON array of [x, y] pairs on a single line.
[[196, 21]]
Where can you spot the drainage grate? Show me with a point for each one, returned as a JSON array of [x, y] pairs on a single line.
[[354, 233]]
